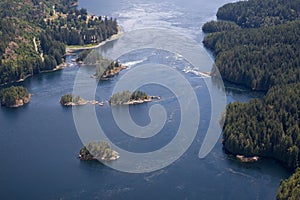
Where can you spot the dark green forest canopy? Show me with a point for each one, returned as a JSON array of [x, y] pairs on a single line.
[[262, 52], [34, 34], [257, 13], [267, 127], [219, 26], [258, 57], [69, 98], [290, 189], [9, 96]]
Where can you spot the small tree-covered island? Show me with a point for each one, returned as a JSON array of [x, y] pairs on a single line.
[[129, 98], [105, 68], [98, 151], [111, 70], [14, 96], [72, 100]]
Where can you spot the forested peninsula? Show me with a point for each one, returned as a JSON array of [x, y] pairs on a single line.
[[256, 43], [35, 34]]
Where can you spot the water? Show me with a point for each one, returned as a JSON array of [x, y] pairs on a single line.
[[39, 142]]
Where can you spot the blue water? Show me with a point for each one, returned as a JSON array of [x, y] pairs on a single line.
[[39, 142]]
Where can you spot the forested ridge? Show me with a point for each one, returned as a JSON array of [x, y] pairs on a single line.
[[34, 34], [256, 43], [258, 13], [267, 127], [258, 58]]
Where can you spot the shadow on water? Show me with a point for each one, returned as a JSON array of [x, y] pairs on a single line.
[[93, 165], [263, 169]]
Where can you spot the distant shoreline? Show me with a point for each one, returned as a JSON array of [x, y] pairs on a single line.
[[72, 49]]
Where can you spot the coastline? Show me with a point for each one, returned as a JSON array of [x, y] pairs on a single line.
[[113, 72], [68, 52], [138, 101], [72, 49], [58, 67], [21, 102], [83, 102]]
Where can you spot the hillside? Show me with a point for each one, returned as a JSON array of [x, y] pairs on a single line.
[[256, 43], [259, 57], [35, 33], [267, 127]]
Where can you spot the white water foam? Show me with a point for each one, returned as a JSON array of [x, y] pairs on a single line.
[[133, 63], [143, 15], [195, 71]]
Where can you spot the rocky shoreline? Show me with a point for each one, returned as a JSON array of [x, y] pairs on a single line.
[[243, 158], [140, 101], [100, 151], [136, 101], [20, 102], [80, 103], [113, 72], [70, 51], [89, 157], [14, 96]]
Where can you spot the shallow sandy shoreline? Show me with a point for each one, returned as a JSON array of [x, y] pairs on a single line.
[[113, 37]]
